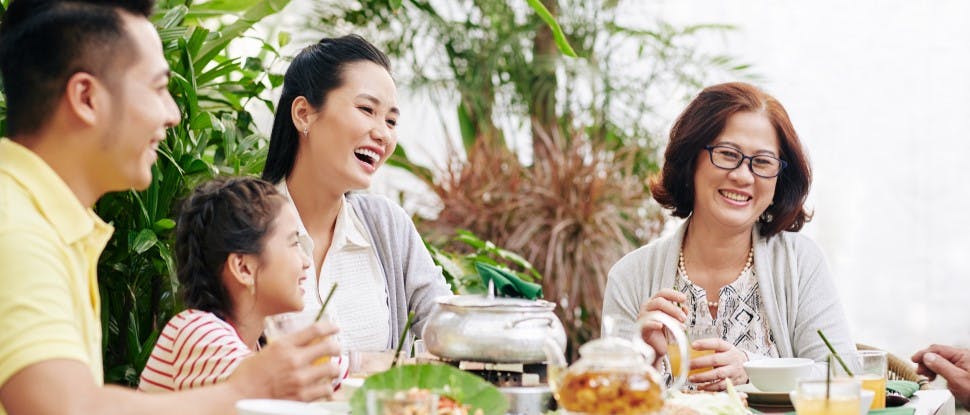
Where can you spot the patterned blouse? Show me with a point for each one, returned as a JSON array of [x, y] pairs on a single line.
[[740, 315]]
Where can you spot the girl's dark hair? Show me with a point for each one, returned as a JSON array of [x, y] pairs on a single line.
[[221, 217], [701, 122], [315, 71]]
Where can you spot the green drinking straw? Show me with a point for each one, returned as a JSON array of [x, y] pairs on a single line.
[[828, 374], [326, 301], [400, 342], [835, 353]]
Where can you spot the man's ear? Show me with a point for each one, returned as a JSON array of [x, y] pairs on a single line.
[[242, 268], [85, 96], [303, 115]]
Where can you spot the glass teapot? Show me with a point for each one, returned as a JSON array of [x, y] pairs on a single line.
[[614, 375]]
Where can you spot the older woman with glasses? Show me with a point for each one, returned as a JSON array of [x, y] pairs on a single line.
[[735, 169]]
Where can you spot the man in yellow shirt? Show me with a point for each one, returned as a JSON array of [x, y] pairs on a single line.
[[88, 103]]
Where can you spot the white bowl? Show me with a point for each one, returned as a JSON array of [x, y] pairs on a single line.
[[274, 407], [865, 400], [777, 375]]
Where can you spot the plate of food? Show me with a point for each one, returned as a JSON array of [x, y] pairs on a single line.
[[459, 391], [758, 397], [706, 403]]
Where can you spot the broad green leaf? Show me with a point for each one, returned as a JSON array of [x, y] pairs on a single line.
[[464, 387], [275, 80], [283, 38], [144, 241], [171, 35], [224, 6], [253, 14], [172, 17], [557, 32], [146, 350], [467, 127], [132, 342], [164, 224]]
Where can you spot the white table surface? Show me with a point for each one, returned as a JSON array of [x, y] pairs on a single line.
[[933, 402]]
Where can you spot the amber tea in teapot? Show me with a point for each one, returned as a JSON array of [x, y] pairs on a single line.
[[613, 375], [602, 392]]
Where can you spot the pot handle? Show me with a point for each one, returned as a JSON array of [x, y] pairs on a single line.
[[515, 323], [674, 327]]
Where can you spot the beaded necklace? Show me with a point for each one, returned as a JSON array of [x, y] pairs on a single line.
[[682, 267]]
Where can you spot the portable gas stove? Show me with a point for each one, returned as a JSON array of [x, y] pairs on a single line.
[[524, 384], [505, 375]]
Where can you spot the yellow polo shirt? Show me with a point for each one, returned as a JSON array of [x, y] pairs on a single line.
[[49, 249]]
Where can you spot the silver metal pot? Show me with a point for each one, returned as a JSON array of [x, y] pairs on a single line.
[[501, 330], [529, 400]]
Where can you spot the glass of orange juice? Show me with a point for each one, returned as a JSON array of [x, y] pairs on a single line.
[[280, 325], [697, 332], [874, 368], [837, 397]]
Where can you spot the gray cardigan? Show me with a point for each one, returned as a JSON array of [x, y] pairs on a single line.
[[798, 293], [414, 282]]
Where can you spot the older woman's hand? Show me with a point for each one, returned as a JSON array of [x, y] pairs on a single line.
[[669, 302], [726, 361]]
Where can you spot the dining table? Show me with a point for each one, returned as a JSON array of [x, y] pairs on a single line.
[[923, 402]]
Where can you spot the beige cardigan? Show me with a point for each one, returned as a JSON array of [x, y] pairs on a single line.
[[798, 292]]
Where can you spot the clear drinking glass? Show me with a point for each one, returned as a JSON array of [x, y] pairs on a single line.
[[873, 373], [837, 397], [697, 332], [280, 325]]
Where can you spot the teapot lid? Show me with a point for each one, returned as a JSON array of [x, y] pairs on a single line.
[[611, 347], [607, 346]]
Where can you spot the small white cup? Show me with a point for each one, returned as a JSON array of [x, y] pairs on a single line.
[[777, 375]]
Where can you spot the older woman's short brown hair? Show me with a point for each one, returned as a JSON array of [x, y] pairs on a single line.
[[701, 122]]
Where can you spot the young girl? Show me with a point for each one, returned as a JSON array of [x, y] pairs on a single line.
[[239, 260]]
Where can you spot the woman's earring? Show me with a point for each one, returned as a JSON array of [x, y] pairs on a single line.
[[767, 217], [306, 131]]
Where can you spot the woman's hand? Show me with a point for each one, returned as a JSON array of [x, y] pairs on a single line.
[[726, 362], [669, 302]]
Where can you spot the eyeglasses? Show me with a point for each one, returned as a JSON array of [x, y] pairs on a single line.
[[730, 158]]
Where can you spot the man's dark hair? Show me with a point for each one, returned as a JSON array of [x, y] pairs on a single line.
[[45, 42]]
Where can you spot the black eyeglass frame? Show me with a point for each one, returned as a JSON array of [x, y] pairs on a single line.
[[710, 153]]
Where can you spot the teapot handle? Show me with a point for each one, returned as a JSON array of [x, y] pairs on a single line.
[[679, 336]]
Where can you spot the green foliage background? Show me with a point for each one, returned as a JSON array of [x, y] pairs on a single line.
[[136, 273], [216, 136]]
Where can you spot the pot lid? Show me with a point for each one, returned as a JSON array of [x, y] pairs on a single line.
[[607, 346], [497, 303], [616, 348]]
